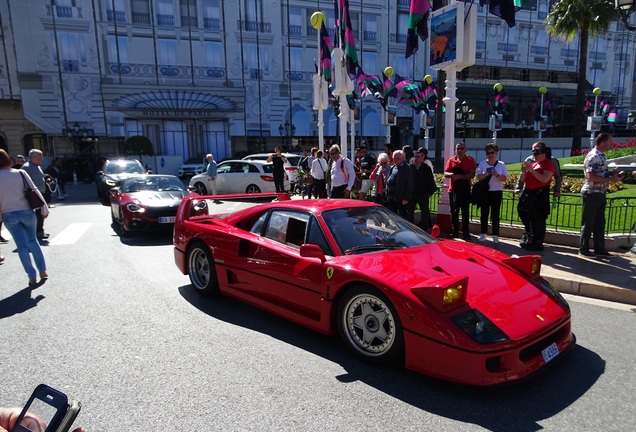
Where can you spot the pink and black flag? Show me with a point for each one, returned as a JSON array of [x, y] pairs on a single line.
[[418, 25], [348, 40], [326, 48]]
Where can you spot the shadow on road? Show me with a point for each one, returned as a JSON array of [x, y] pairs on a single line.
[[19, 302], [519, 407]]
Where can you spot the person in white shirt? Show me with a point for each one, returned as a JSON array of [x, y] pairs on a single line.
[[498, 173], [318, 171], [343, 174]]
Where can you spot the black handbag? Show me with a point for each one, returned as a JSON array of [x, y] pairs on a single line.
[[479, 191], [32, 196]]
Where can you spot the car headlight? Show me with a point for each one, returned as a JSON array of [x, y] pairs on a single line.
[[479, 327], [135, 208], [111, 183]]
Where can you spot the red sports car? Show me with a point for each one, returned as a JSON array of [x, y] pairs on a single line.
[[146, 202], [454, 310]]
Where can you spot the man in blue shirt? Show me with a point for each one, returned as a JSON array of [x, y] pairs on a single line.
[[211, 173]]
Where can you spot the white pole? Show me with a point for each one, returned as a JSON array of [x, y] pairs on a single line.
[[541, 114]]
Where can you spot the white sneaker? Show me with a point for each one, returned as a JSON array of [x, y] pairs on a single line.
[[495, 239], [482, 238]]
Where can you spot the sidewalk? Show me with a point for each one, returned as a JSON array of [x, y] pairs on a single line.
[[606, 278]]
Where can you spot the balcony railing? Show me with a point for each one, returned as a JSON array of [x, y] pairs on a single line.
[[295, 30], [369, 36], [398, 38], [64, 11], [212, 23], [569, 53], [539, 50], [597, 55], [299, 76], [70, 66], [118, 16], [140, 18], [189, 21], [255, 26], [256, 74], [165, 20], [168, 71], [507, 47], [481, 45]]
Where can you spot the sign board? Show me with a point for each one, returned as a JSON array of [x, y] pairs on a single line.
[[452, 40], [594, 123], [541, 125]]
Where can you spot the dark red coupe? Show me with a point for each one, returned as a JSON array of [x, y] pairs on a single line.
[[454, 310], [146, 203]]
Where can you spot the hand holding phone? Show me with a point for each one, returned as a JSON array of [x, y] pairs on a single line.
[[47, 410]]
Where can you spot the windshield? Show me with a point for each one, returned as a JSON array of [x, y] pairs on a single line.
[[365, 229], [149, 183], [124, 167]]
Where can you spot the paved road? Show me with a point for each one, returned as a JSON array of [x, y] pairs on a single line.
[[118, 327]]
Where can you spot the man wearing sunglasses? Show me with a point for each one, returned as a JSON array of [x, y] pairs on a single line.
[[460, 169]]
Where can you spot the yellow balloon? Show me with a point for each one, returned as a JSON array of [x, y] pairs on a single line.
[[543, 90], [317, 18], [428, 79], [498, 87], [388, 71], [597, 91]]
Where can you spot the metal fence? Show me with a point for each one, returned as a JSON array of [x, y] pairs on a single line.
[[565, 215]]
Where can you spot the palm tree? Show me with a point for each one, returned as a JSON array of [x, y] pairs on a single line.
[[566, 19]]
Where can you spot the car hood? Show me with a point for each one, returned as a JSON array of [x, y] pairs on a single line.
[[516, 304], [162, 198], [120, 177]]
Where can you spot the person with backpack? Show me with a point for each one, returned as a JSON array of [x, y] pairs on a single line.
[[342, 173]]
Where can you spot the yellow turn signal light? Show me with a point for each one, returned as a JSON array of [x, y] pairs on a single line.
[[452, 294]]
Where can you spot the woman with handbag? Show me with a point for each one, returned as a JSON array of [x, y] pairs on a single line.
[[534, 201], [494, 171], [16, 211]]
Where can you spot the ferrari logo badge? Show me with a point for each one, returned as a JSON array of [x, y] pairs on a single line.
[[540, 317], [330, 271]]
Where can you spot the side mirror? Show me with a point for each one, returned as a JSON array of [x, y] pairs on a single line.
[[435, 231], [312, 251], [114, 191]]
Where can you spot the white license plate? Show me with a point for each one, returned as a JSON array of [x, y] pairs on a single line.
[[166, 219], [550, 352]]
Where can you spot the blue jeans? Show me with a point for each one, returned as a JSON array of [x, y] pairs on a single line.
[[21, 224]]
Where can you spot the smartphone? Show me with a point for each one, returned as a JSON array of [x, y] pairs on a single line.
[[73, 410], [45, 411]]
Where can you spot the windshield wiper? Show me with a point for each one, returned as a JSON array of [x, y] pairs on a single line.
[[377, 246]]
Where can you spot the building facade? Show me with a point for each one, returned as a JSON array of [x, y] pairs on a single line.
[[231, 77]]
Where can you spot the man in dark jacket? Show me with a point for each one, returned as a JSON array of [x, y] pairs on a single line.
[[423, 187], [399, 185]]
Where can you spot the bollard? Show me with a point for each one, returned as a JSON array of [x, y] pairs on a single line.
[[75, 178]]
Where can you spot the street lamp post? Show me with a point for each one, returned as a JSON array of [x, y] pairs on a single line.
[[79, 136], [284, 131], [463, 115]]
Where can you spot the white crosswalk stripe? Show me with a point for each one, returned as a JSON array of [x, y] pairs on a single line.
[[70, 235]]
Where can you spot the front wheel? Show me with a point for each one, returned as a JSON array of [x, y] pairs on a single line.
[[200, 188], [370, 326], [201, 269]]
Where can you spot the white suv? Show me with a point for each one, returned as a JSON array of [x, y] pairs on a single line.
[[192, 167]]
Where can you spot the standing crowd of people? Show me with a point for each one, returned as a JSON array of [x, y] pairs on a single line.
[[402, 180]]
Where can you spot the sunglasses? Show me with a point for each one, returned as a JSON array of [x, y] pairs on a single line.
[[333, 153], [537, 151], [491, 152], [461, 148]]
